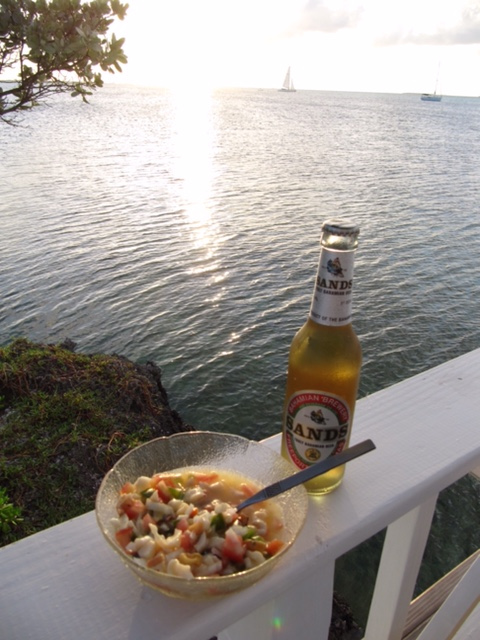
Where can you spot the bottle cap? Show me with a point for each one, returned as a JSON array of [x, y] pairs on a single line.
[[340, 227]]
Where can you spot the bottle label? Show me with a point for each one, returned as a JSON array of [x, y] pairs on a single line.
[[332, 296], [316, 427]]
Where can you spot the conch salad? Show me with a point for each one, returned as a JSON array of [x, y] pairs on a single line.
[[185, 524]]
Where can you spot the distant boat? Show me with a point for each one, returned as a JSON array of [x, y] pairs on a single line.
[[288, 83], [432, 97]]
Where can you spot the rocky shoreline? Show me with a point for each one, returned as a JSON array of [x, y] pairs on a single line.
[[65, 419]]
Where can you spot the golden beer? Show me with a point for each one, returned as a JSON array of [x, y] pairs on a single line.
[[324, 363]]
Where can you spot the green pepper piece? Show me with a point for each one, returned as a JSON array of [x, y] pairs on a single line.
[[252, 535], [146, 494], [176, 493], [218, 522]]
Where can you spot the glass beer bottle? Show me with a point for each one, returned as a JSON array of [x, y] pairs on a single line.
[[324, 363]]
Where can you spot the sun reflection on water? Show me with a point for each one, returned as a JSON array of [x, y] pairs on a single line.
[[193, 141]]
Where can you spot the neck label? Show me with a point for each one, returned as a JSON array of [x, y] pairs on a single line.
[[332, 296]]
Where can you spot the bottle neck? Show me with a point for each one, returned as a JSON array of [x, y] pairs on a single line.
[[332, 295]]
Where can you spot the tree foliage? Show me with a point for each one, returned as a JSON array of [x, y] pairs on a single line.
[[56, 46]]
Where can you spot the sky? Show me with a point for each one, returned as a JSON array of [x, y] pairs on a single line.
[[393, 46]]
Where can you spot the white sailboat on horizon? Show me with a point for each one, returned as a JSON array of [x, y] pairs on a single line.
[[288, 83], [433, 97]]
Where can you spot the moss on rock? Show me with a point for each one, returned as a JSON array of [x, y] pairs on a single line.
[[65, 419]]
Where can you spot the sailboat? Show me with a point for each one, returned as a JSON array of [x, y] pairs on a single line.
[[432, 97], [288, 82]]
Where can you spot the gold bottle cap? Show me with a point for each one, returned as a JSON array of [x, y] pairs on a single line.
[[340, 227]]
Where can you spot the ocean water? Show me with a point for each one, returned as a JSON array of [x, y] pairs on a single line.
[[184, 229]]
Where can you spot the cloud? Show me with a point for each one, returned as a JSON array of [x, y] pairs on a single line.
[[319, 16], [464, 31]]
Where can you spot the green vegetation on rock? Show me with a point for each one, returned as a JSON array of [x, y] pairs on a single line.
[[65, 419]]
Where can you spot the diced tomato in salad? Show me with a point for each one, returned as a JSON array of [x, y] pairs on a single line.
[[128, 487], [206, 477], [234, 548], [147, 520], [274, 546], [124, 536], [186, 541], [132, 507]]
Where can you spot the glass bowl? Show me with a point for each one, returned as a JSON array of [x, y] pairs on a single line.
[[217, 451]]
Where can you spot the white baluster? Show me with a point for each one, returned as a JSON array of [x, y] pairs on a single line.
[[401, 557]]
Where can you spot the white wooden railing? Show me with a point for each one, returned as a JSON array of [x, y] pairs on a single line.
[[66, 583]]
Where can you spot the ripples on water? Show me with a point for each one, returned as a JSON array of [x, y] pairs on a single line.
[[185, 230]]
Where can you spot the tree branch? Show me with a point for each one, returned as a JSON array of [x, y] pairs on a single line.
[[51, 37]]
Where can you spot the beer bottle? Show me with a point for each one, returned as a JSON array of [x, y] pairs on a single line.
[[324, 363]]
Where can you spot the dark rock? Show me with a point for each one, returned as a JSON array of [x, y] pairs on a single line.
[[343, 626]]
